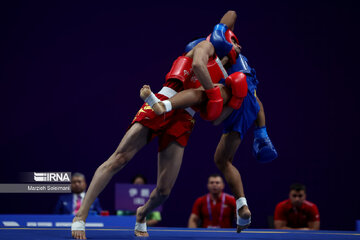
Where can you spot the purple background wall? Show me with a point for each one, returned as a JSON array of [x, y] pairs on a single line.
[[71, 74]]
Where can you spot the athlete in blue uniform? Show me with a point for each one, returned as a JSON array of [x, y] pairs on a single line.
[[236, 121], [250, 112]]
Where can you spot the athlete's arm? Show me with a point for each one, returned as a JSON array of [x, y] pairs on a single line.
[[224, 114], [226, 110], [205, 49], [201, 55], [237, 83], [193, 221], [229, 19]]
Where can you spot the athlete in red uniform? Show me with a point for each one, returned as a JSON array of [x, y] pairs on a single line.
[[209, 102], [173, 132], [187, 69], [226, 41], [215, 209], [296, 212]]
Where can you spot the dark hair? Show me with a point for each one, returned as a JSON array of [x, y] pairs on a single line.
[[297, 187], [215, 175], [77, 174], [139, 176]]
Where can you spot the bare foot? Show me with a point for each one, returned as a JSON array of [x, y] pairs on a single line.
[[140, 219], [141, 234], [244, 213], [159, 108], [77, 234]]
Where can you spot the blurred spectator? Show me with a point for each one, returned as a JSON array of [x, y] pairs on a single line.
[[152, 218], [215, 209], [139, 179], [296, 212], [70, 203]]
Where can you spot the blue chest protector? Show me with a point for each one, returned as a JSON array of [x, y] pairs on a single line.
[[242, 65], [241, 120]]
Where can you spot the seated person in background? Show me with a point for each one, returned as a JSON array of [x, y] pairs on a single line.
[[296, 212], [215, 209], [154, 217], [71, 202]]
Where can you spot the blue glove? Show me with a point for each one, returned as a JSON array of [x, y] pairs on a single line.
[[263, 149]]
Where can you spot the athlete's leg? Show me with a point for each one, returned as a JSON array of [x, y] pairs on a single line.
[[184, 99], [188, 98], [135, 138], [224, 156], [260, 120], [169, 162]]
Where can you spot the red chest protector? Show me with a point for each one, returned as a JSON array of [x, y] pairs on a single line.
[[182, 70]]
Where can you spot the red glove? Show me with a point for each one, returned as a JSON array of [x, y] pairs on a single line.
[[214, 106], [239, 88]]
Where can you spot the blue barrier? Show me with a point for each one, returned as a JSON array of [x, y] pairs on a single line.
[[47, 220]]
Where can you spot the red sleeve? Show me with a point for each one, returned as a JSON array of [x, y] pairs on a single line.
[[315, 216], [196, 207], [279, 212]]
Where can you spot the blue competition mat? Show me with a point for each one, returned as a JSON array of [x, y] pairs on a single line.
[[175, 233]]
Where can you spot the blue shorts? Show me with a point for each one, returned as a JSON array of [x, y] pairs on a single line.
[[241, 120]]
